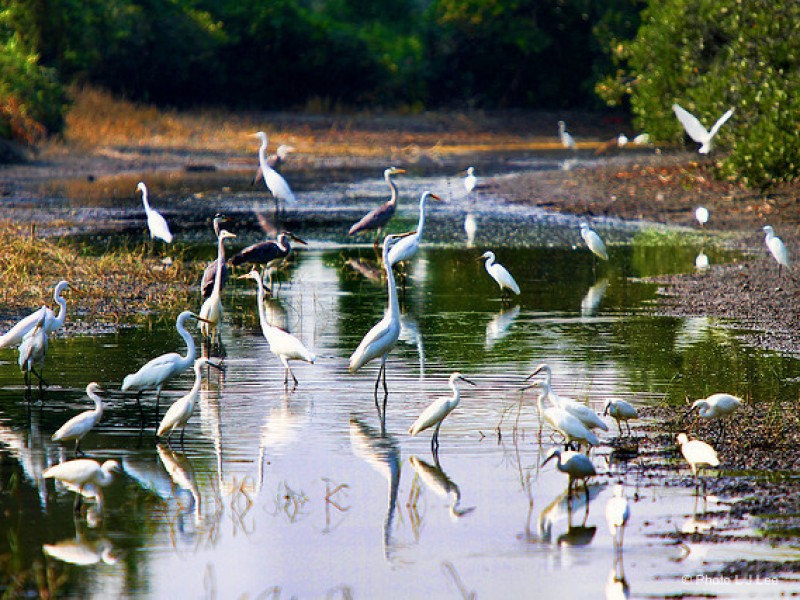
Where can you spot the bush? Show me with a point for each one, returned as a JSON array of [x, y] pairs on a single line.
[[711, 55]]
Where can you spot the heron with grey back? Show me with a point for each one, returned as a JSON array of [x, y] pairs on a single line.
[[269, 254], [378, 218], [210, 272]]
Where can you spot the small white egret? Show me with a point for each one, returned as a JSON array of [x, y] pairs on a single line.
[[642, 139], [407, 247], [568, 425], [32, 352], [79, 425], [383, 336], [622, 140], [617, 514], [697, 453], [701, 261], [274, 181], [574, 464], [155, 222], [620, 410], [179, 413], [580, 411], [82, 552], [717, 406], [499, 273], [281, 343], [211, 311], [701, 214], [470, 180], [696, 130], [593, 241], [437, 411], [156, 372], [52, 322], [777, 248], [82, 472], [378, 218], [470, 228], [566, 139]]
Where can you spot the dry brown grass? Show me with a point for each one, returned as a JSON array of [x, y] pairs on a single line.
[[114, 287]]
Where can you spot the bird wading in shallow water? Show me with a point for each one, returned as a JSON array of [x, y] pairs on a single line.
[[436, 412], [211, 311], [179, 413], [79, 425], [210, 272], [500, 274], [593, 242], [82, 472], [52, 322], [405, 248], [620, 411], [697, 454], [575, 465], [716, 406], [566, 139], [378, 218], [568, 425], [32, 352], [269, 254]]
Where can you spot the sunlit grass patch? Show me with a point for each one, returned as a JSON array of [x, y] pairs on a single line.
[[117, 286]]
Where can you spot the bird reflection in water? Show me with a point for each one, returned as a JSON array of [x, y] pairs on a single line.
[[562, 508], [435, 479], [184, 484], [498, 327], [82, 551], [382, 452], [617, 587], [594, 296], [281, 428]]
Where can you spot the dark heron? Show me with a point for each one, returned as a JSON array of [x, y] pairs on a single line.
[[207, 283], [269, 254], [378, 218]]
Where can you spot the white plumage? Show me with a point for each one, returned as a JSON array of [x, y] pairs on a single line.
[[470, 180], [79, 425], [696, 130], [438, 410], [620, 410], [589, 418], [281, 343], [52, 322], [717, 406], [211, 311], [566, 139], [617, 514], [405, 248], [574, 464], [178, 415], [33, 349], [777, 248], [697, 453], [566, 424], [499, 273], [156, 223], [593, 241], [274, 181], [82, 472], [701, 214]]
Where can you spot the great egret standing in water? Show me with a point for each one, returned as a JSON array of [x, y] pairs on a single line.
[[211, 311], [696, 130], [777, 248], [32, 352], [82, 472], [79, 425], [407, 247], [500, 274], [274, 181], [179, 413], [155, 222], [52, 322], [566, 139], [380, 340], [436, 413], [574, 464], [281, 343], [378, 218]]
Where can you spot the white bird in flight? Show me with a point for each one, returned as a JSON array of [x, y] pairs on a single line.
[[156, 223], [696, 130]]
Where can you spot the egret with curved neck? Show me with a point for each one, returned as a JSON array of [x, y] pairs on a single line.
[[274, 181], [211, 311], [178, 415], [79, 425], [436, 413], [407, 247], [52, 322]]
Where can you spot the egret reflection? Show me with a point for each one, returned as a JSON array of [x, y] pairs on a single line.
[[438, 482], [500, 325], [594, 296], [82, 552], [561, 509]]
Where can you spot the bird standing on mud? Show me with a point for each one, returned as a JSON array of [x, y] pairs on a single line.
[[156, 223], [274, 181], [378, 218], [697, 454], [620, 411], [777, 248], [566, 139]]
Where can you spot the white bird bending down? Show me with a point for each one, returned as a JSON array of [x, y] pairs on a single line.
[[568, 425], [617, 514], [156, 372], [717, 406], [620, 410], [697, 453], [380, 340], [696, 130], [211, 311], [178, 415], [79, 425], [574, 464], [32, 351], [274, 181], [82, 472], [436, 413], [566, 139], [281, 343], [407, 247], [583, 413], [470, 180], [52, 322], [155, 222], [777, 248], [593, 241], [499, 273]]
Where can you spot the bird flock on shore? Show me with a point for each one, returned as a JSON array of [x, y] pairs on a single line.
[[576, 422]]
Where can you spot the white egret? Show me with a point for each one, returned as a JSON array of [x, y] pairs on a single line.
[[620, 410], [593, 241], [32, 351], [617, 514], [717, 406], [281, 343], [52, 322], [499, 273], [580, 411], [82, 472], [701, 261], [701, 214], [622, 140], [568, 425], [378, 218], [777, 248], [156, 372], [210, 272], [275, 161], [642, 139], [470, 228], [274, 181], [574, 464], [79, 425], [696, 130], [566, 139], [407, 247], [437, 411], [211, 311], [155, 222], [470, 180], [697, 453], [380, 340], [178, 415]]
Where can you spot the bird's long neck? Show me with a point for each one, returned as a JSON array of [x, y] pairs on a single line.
[[262, 313], [62, 310], [489, 261], [393, 186], [456, 392], [191, 351], [262, 157], [105, 476], [394, 306], [421, 222], [284, 244], [198, 380], [144, 200], [98, 402], [220, 265]]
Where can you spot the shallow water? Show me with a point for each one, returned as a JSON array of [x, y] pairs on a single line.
[[298, 494]]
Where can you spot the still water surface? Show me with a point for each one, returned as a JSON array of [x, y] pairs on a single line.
[[283, 494]]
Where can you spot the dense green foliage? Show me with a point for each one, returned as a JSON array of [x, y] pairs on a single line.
[[711, 55]]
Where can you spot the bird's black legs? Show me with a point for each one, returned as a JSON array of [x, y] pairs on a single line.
[[158, 397], [435, 443]]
